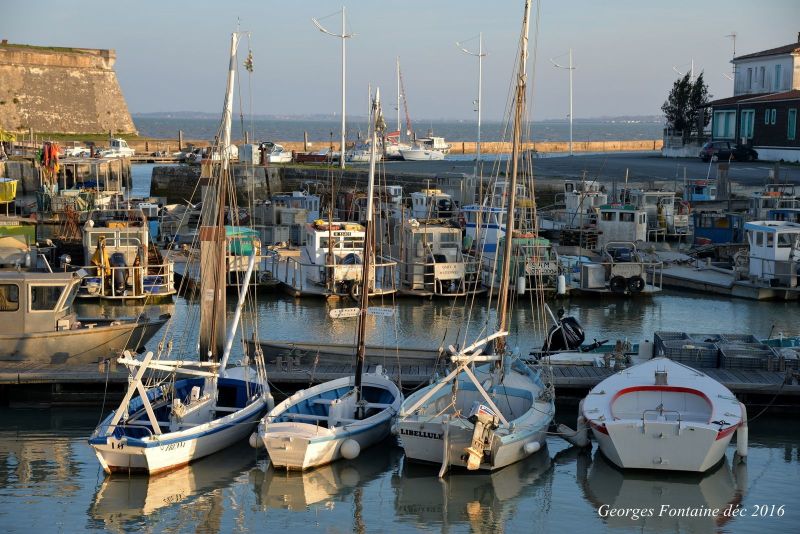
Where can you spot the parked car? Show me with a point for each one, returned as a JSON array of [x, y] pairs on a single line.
[[723, 150]]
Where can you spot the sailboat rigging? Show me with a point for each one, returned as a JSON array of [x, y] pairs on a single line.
[[339, 418], [495, 414], [164, 422]]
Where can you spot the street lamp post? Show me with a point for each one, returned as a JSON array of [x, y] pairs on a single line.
[[480, 55], [570, 68], [343, 36]]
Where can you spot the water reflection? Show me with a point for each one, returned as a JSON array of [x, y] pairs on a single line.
[[123, 502], [322, 487], [644, 495], [484, 501]]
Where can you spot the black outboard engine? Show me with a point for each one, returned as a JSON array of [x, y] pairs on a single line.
[[568, 334], [120, 279]]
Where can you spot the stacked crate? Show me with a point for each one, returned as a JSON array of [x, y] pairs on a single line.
[[691, 353], [745, 356]]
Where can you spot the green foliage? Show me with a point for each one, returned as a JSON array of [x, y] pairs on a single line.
[[685, 108]]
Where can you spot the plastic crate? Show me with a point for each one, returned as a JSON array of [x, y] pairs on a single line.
[[660, 337], [688, 352], [707, 338], [739, 338], [785, 358], [745, 356]]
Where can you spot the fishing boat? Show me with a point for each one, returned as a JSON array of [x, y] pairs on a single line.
[[122, 262], [164, 422], [661, 414], [337, 419], [430, 259], [39, 324], [421, 153], [492, 415]]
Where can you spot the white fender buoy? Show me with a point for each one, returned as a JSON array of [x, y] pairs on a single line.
[[532, 447], [350, 449], [255, 441], [561, 285], [742, 435], [521, 285]]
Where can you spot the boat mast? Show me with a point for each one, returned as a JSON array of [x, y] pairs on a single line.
[[213, 268], [366, 265], [502, 303]]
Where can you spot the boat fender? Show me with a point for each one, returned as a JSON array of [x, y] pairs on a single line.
[[532, 447], [636, 284], [350, 449], [255, 441], [742, 435], [561, 285], [521, 285], [617, 284]]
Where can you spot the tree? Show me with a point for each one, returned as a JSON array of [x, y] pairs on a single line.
[[685, 108]]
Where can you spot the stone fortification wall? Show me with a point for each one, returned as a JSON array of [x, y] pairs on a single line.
[[58, 90]]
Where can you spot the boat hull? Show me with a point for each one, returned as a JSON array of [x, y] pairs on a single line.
[[663, 415], [661, 445], [176, 450], [422, 155], [79, 346], [310, 442]]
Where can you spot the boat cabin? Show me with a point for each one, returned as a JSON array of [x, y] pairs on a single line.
[[434, 143], [718, 227], [581, 202], [773, 197], [345, 241], [700, 191], [621, 223], [432, 204], [116, 247], [431, 260], [36, 302], [534, 264], [298, 200], [774, 254], [786, 214], [662, 215]]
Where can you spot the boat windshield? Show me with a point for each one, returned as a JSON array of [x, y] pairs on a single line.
[[45, 297], [789, 240]]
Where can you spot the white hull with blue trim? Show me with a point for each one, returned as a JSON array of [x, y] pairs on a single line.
[[201, 429], [318, 425]]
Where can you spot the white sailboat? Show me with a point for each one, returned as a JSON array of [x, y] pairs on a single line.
[[336, 419], [490, 416], [162, 422]]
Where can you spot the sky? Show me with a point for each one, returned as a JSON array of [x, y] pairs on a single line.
[[172, 54]]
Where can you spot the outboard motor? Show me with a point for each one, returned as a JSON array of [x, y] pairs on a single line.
[[485, 421], [120, 279], [568, 334]]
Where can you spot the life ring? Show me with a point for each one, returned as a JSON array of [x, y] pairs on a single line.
[[636, 284], [618, 284]]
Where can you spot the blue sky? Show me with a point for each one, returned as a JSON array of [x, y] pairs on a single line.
[[171, 55]]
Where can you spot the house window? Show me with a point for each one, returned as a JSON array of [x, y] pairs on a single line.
[[774, 115], [766, 116], [724, 124], [749, 78], [777, 78], [746, 125], [763, 78], [791, 125]]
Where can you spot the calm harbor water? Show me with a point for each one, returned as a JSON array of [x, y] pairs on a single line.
[[51, 482]]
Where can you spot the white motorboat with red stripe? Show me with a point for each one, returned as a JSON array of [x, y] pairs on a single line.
[[661, 414]]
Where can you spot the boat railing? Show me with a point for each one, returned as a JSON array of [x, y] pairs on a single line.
[[772, 271], [294, 272], [129, 281], [446, 279]]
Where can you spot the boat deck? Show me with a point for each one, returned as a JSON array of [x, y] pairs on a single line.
[[86, 384], [715, 280]]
